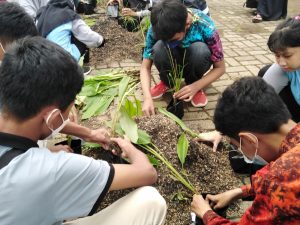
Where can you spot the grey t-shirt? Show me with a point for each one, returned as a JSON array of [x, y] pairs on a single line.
[[44, 188]]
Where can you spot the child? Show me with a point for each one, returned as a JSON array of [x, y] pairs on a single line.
[[58, 22], [284, 75], [15, 23], [188, 34], [141, 8], [41, 187]]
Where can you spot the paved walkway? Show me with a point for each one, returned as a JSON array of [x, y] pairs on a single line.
[[245, 51]]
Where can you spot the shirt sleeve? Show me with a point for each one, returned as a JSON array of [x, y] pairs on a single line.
[[83, 33], [275, 77], [150, 41], [247, 191], [215, 45], [79, 183]]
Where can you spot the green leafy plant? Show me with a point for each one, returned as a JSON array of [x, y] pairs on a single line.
[[99, 91], [176, 73], [182, 148]]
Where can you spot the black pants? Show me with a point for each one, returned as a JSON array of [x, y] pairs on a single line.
[[195, 60], [287, 96], [83, 49]]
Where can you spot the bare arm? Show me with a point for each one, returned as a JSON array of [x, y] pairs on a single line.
[[139, 173], [145, 76], [100, 136], [189, 91]]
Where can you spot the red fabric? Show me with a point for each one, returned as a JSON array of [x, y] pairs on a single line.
[[276, 187]]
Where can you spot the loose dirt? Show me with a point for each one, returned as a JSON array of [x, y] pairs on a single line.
[[208, 171]]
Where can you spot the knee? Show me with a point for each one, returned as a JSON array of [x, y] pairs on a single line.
[[159, 51], [199, 50], [150, 199]]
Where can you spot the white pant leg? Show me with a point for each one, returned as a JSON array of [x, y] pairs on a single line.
[[276, 78], [144, 206]]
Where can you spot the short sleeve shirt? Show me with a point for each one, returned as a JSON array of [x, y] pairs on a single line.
[[202, 30], [39, 187], [294, 78]]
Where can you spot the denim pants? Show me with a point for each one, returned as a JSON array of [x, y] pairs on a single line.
[[195, 61]]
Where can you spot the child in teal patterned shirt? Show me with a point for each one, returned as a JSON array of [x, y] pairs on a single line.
[[191, 39]]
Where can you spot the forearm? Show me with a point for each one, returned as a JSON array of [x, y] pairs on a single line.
[[212, 218], [211, 76], [145, 77], [77, 130]]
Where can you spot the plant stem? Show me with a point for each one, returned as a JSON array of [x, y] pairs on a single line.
[[157, 153]]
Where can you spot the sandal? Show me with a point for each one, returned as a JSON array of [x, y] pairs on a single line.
[[257, 19]]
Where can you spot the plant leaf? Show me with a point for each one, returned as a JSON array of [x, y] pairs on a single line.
[[144, 138], [104, 103], [153, 160], [178, 121], [91, 145], [128, 125], [138, 105], [123, 85], [130, 108], [182, 148], [91, 107]]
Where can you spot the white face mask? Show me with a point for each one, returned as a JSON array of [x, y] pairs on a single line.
[[57, 130], [256, 159]]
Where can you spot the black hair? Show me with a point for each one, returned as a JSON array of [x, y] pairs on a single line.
[[15, 23], [250, 104], [286, 34], [168, 17], [36, 73]]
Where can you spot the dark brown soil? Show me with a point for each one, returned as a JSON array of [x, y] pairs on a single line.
[[119, 43], [208, 171]]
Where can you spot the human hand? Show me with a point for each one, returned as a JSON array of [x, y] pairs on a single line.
[[148, 107], [187, 92], [222, 200], [125, 145], [100, 136], [57, 148], [214, 137], [128, 12], [199, 206]]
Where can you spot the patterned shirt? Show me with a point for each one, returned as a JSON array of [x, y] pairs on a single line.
[[276, 188], [202, 30]]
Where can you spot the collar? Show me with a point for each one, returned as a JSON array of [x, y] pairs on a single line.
[[17, 142], [291, 140]]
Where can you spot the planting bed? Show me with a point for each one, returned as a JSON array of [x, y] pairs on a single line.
[[208, 171], [119, 43]]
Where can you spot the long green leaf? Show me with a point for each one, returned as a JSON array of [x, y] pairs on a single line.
[[128, 125], [138, 105], [123, 86], [97, 104], [104, 103], [182, 148], [130, 108], [178, 121]]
